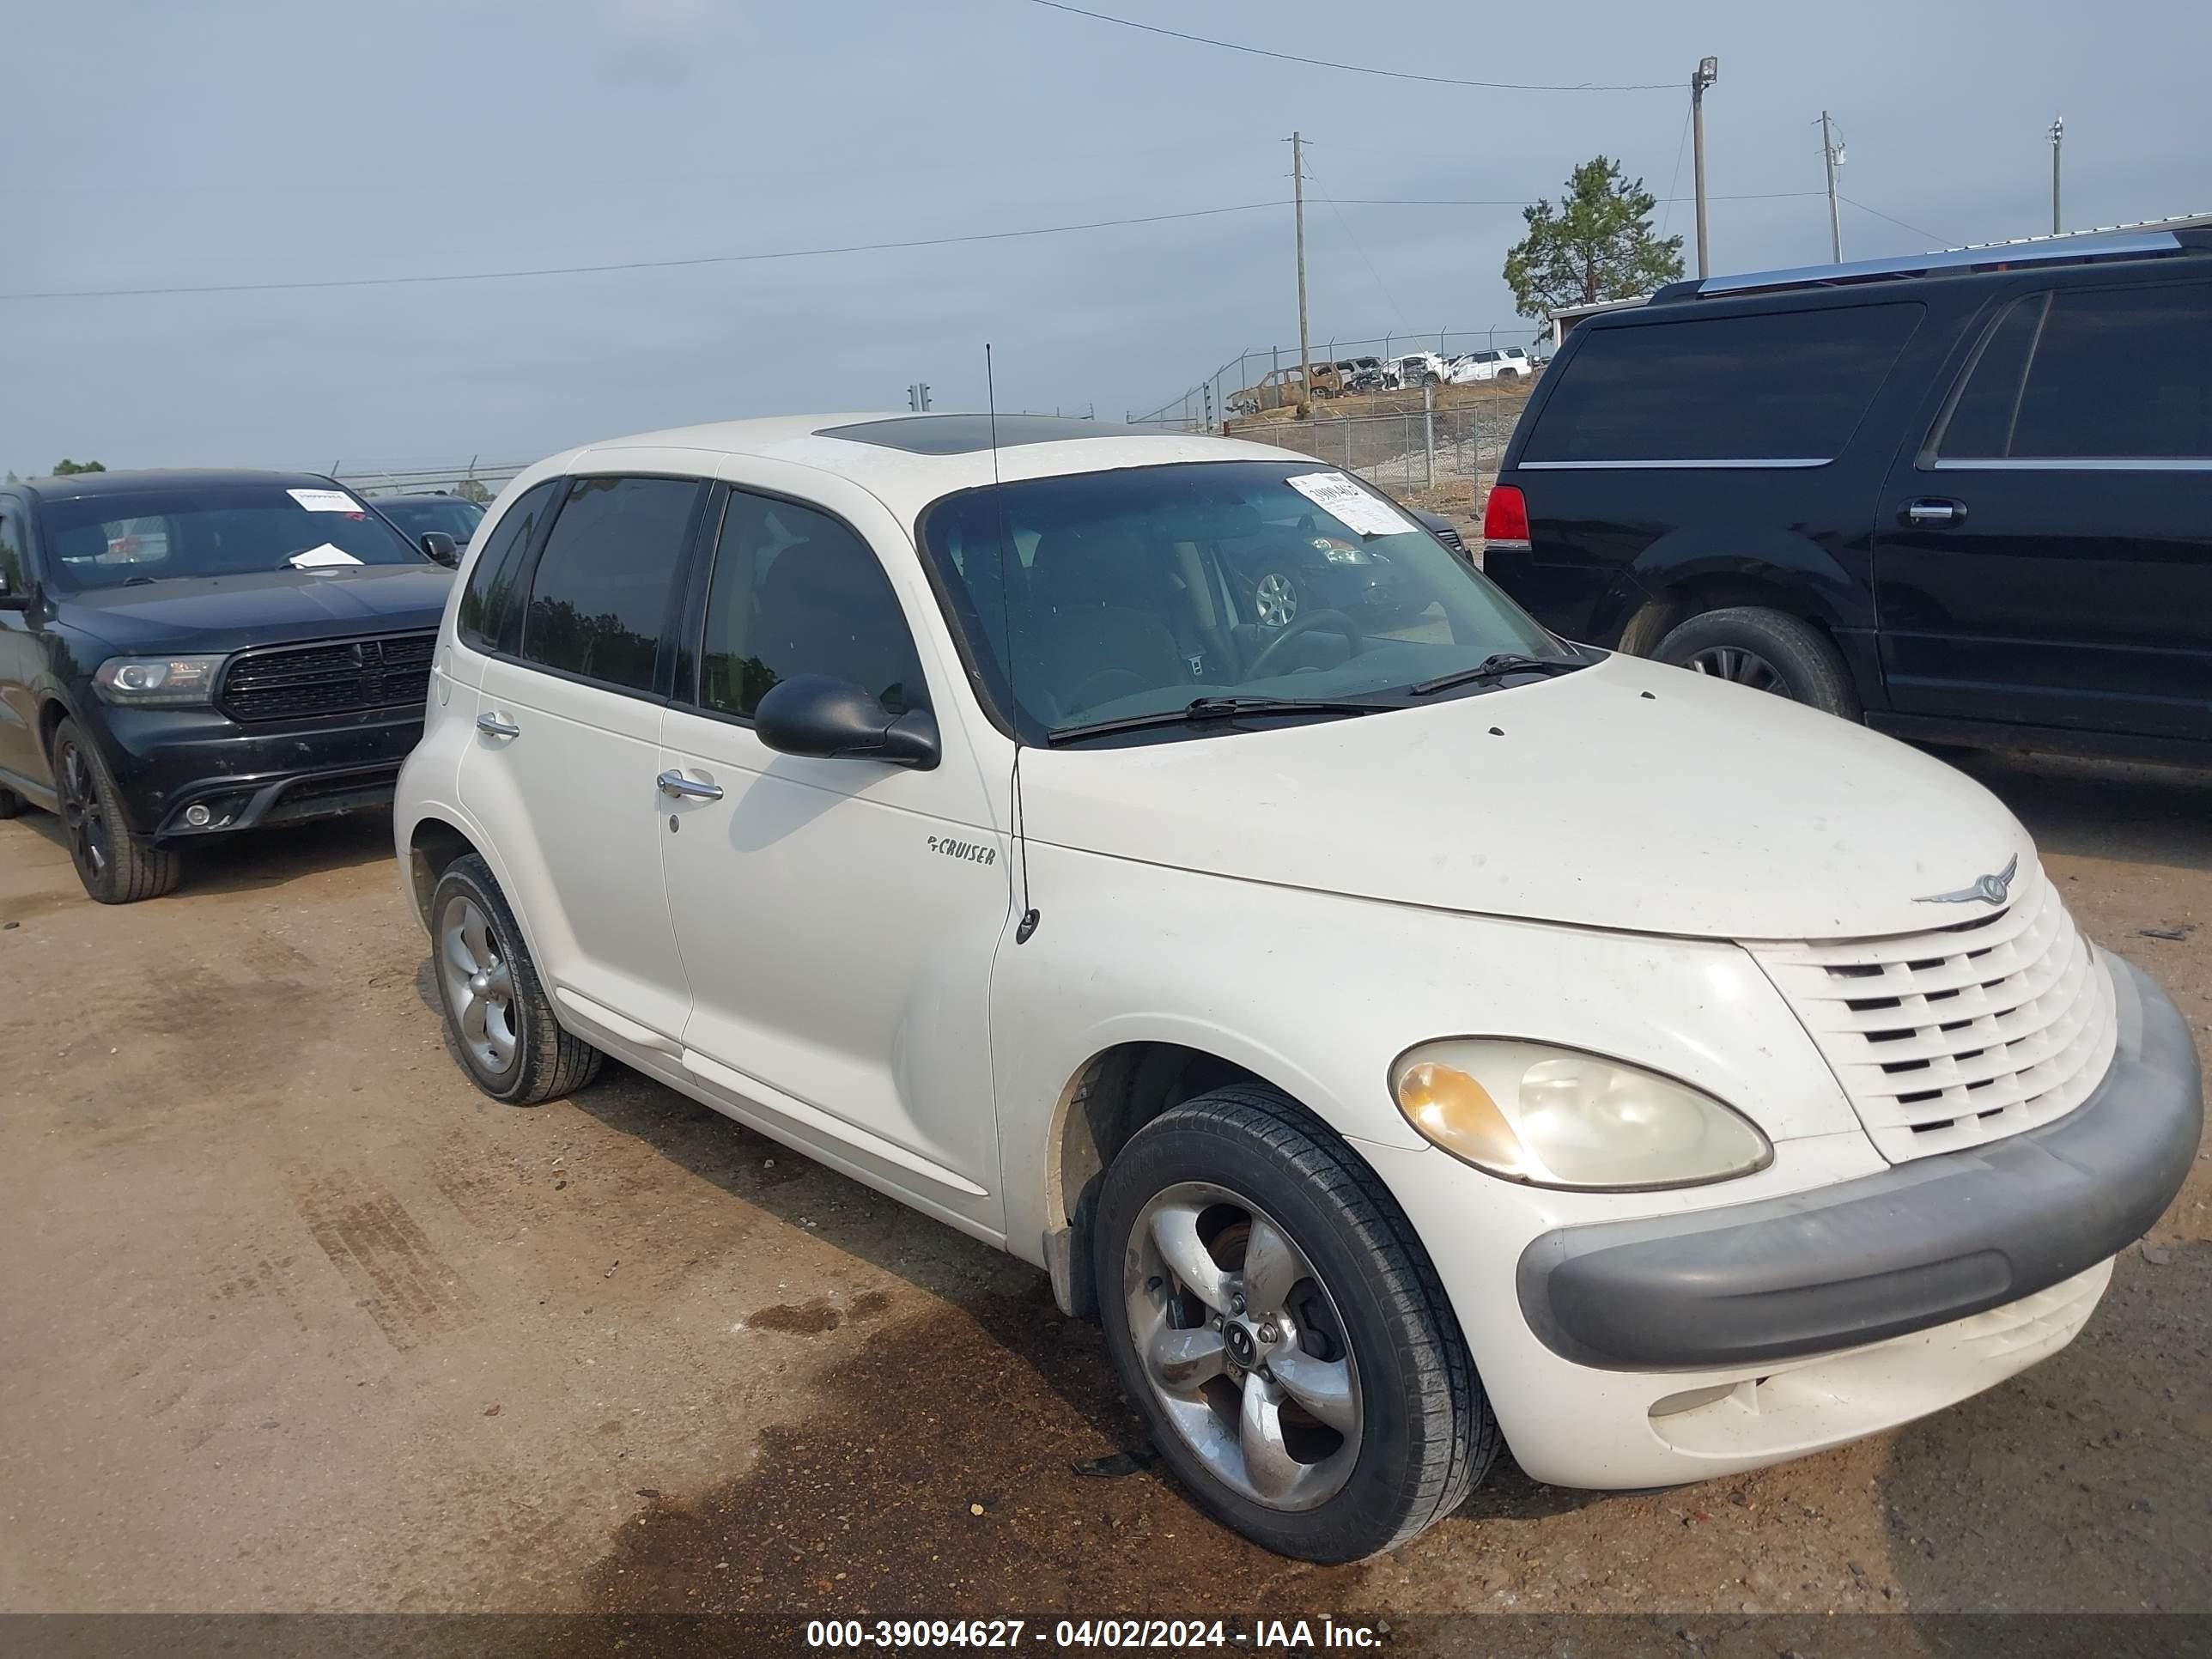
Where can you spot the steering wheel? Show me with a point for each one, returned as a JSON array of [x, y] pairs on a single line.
[[1079, 699], [1305, 624]]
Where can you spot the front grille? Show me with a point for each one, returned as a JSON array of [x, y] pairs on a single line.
[[1961, 1035], [302, 682]]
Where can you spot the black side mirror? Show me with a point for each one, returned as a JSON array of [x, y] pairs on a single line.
[[438, 545], [831, 719]]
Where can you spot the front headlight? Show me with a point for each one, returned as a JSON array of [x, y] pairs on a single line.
[[1554, 1117], [159, 682]]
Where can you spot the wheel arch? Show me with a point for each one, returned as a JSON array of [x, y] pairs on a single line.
[[1105, 1101], [434, 845], [1674, 579]]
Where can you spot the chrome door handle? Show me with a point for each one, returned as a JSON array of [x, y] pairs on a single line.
[[1929, 513], [677, 787], [493, 726]]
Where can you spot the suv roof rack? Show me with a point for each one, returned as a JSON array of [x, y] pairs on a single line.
[[2149, 240]]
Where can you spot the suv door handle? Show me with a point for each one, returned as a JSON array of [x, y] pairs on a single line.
[[493, 726], [677, 787], [1930, 511]]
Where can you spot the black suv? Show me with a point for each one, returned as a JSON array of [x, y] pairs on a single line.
[[183, 654], [1966, 497]]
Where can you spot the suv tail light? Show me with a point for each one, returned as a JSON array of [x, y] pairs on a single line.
[[1505, 518]]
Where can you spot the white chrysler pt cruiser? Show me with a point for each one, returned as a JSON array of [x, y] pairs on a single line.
[[1407, 1032]]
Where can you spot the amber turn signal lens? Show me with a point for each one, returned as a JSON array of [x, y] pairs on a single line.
[[1454, 1111]]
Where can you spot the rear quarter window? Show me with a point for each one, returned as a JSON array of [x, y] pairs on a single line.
[[1771, 387]]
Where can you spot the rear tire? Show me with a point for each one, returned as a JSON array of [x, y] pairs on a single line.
[[497, 1012], [116, 866], [1767, 650], [1348, 1324]]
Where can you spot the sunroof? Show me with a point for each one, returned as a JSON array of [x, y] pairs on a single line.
[[964, 434]]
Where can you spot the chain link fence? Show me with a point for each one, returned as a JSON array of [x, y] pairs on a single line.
[[1205, 405], [1438, 458], [476, 480]]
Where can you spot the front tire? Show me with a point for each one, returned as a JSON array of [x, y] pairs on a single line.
[[116, 866], [497, 1012], [1282, 1332], [1766, 650]]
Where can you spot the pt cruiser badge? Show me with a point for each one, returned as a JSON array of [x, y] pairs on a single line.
[[1992, 890]]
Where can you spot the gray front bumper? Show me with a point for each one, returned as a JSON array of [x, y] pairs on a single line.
[[1917, 1245]]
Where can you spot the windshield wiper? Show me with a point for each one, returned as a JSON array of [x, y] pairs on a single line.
[[1496, 667], [1215, 708]]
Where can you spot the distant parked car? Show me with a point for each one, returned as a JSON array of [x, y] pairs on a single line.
[[1475, 368], [1963, 497], [452, 515], [185, 654], [1444, 530]]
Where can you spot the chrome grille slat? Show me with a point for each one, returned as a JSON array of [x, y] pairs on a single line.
[[1963, 1034]]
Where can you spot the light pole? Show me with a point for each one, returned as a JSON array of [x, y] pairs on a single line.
[[2057, 138], [1708, 72], [1305, 347]]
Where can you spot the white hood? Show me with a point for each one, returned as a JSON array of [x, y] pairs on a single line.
[[1700, 809]]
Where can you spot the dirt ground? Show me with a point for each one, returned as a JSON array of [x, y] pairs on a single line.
[[291, 1318]]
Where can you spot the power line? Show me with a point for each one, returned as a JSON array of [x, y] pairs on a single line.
[[1899, 224], [423, 278], [1352, 69], [633, 264]]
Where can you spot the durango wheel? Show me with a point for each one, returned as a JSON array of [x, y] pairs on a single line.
[[116, 866], [497, 1013], [1282, 1332]]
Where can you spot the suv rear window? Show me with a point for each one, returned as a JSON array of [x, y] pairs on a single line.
[[1775, 386]]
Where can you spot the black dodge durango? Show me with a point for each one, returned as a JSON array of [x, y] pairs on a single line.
[[186, 654]]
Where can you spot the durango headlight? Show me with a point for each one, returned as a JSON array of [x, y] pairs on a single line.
[[158, 681], [1555, 1117]]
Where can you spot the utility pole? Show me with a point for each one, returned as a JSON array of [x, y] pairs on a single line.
[[1708, 72], [1305, 351], [2057, 138], [1832, 154]]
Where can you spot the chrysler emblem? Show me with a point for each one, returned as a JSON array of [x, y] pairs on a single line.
[[1991, 890]]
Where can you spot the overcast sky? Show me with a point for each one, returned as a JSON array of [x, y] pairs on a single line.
[[257, 140]]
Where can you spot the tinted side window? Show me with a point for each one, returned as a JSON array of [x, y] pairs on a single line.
[[795, 592], [1785, 386], [2121, 372], [488, 608], [1981, 419], [600, 595]]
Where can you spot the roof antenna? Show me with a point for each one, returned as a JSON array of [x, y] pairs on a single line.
[[1029, 921]]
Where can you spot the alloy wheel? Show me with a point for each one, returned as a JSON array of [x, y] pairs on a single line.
[[81, 813], [1740, 666], [1242, 1346], [479, 985], [1276, 598]]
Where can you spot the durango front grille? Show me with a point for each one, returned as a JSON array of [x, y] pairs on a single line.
[[1961, 1035], [303, 682]]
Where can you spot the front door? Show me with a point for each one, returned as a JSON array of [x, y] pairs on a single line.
[[562, 766], [2046, 559], [838, 918], [21, 652]]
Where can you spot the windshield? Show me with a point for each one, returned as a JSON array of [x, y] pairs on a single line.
[[1137, 592], [416, 513], [213, 530]]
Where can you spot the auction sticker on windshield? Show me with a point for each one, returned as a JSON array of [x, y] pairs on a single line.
[[1345, 502], [317, 557], [325, 500]]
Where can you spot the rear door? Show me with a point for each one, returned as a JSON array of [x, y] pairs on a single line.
[[561, 769], [2046, 557]]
